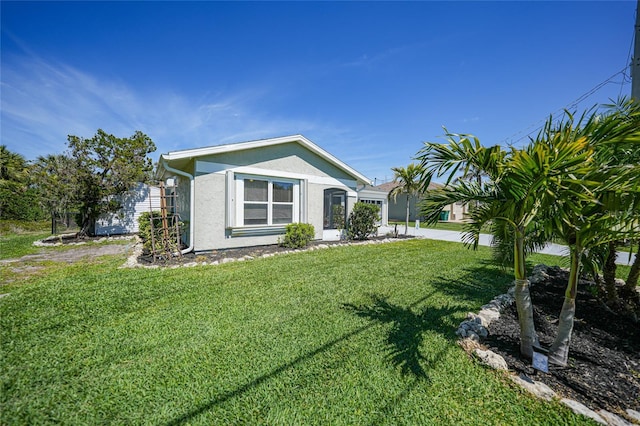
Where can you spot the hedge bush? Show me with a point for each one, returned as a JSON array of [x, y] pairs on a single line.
[[362, 221], [298, 235]]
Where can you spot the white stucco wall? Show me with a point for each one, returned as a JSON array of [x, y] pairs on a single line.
[[288, 161]]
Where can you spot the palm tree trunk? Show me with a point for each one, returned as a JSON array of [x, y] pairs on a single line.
[[609, 273], [559, 351], [528, 336], [406, 219]]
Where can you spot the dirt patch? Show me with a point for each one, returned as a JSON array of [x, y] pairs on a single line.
[[604, 358], [72, 255]]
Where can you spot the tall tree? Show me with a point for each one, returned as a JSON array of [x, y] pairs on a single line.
[[106, 168], [15, 197], [55, 180], [520, 186], [623, 152], [408, 180], [600, 201]]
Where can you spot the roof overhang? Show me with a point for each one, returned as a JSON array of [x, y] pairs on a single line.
[[188, 154]]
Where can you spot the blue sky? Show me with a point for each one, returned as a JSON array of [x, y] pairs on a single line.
[[367, 81]]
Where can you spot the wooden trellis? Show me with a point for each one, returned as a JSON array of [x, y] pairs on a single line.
[[165, 225]]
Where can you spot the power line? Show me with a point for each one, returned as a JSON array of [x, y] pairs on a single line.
[[538, 125]]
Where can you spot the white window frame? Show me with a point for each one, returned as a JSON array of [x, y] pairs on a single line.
[[239, 200]]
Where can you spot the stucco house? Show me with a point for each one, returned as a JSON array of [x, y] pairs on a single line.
[[397, 209], [244, 194]]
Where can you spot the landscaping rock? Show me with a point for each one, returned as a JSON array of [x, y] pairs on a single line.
[[539, 389], [491, 359], [489, 315], [633, 415], [539, 274], [578, 408], [613, 419]]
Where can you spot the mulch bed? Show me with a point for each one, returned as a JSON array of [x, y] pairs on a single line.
[[604, 358], [237, 253]]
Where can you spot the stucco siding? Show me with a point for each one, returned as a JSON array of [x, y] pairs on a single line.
[[209, 211], [290, 157], [211, 232], [222, 177], [315, 208]]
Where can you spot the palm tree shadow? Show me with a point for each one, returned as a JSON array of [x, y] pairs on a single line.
[[406, 337], [477, 285]]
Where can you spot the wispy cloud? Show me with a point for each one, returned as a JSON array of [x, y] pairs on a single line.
[[44, 102]]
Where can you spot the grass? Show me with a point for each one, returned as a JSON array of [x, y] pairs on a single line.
[[9, 227], [17, 237], [18, 245], [365, 335]]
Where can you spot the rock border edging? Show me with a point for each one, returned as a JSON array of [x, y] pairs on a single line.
[[132, 260], [475, 328]]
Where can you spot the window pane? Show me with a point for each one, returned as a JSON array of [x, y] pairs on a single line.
[[282, 213], [255, 214], [255, 190], [282, 192]]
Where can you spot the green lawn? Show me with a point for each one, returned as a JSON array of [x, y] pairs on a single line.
[[17, 237], [351, 335]]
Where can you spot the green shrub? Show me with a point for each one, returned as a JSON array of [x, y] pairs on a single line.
[[298, 235], [144, 232], [362, 221], [144, 228]]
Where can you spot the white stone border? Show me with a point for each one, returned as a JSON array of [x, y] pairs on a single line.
[[132, 261], [59, 238], [475, 328]]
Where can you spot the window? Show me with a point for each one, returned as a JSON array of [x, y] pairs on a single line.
[[266, 201]]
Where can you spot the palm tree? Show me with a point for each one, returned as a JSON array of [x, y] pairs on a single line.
[[599, 203], [520, 188], [13, 177], [624, 152], [408, 183]]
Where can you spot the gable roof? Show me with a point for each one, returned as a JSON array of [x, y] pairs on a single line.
[[261, 143]]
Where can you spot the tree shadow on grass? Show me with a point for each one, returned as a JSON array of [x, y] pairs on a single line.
[[405, 340], [203, 408], [404, 345], [477, 285], [406, 337]]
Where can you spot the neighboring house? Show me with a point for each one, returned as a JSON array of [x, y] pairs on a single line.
[[397, 210], [139, 200], [244, 194]]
